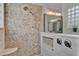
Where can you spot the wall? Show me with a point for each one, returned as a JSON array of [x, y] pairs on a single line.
[[57, 6], [65, 7], [22, 28], [2, 44]]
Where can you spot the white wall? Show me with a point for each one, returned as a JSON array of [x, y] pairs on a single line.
[[51, 5], [2, 26], [65, 7]]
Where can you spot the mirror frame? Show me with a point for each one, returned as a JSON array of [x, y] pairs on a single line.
[[48, 26]]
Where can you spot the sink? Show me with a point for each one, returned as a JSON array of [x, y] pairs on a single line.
[[7, 51]]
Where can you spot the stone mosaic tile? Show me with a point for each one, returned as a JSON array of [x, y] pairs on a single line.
[[22, 28]]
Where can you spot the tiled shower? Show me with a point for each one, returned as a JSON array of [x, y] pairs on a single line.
[[23, 24], [36, 29]]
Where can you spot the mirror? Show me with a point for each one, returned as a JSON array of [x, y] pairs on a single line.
[[53, 23]]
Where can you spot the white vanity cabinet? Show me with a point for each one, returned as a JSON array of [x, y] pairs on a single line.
[[55, 44]]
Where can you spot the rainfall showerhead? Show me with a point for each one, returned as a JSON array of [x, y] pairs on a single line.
[[26, 8]]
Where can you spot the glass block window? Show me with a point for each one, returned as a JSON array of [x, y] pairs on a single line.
[[73, 17]]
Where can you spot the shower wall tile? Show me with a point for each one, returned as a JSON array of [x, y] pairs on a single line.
[[22, 28], [2, 43]]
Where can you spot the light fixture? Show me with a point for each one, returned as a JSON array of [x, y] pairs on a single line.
[[53, 13], [58, 14]]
